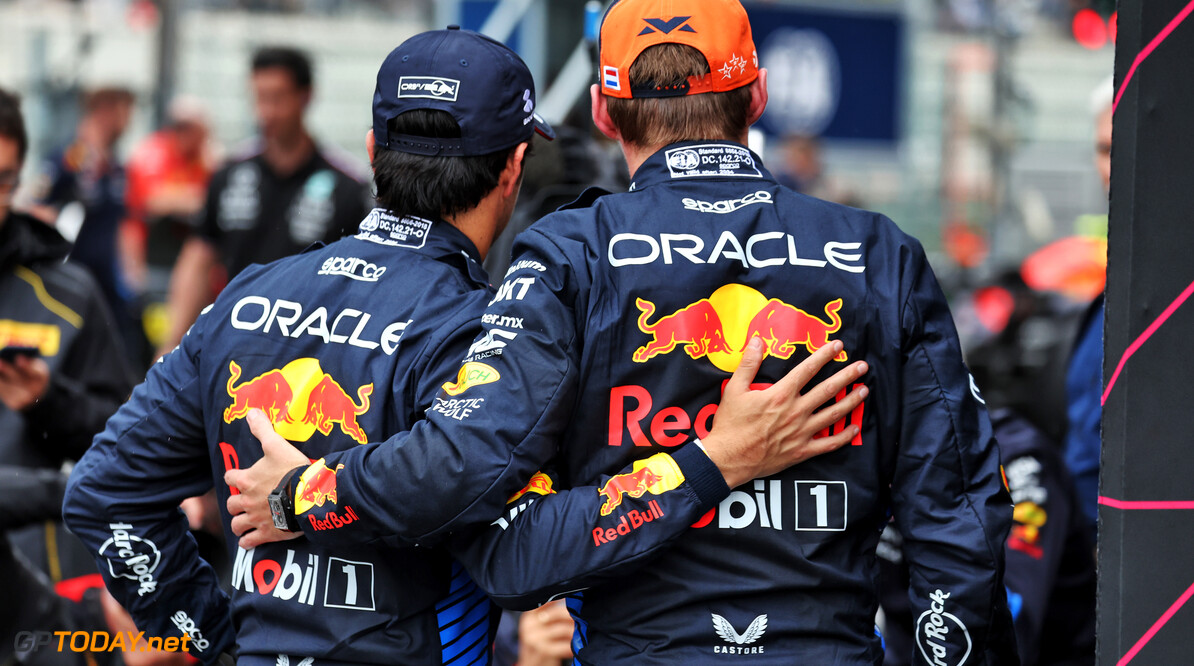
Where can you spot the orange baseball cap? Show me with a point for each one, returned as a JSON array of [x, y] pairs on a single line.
[[719, 29]]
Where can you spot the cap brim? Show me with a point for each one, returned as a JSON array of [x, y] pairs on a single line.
[[544, 129]]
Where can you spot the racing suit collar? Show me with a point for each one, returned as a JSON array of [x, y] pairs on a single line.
[[435, 238], [719, 160]]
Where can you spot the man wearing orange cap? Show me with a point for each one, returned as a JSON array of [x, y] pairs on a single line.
[[616, 330], [783, 569]]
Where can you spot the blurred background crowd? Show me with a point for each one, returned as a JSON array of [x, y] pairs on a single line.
[[171, 143]]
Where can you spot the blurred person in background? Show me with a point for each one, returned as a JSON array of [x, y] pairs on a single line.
[[802, 169], [82, 187], [287, 194], [1084, 382], [62, 374], [557, 174], [167, 182]]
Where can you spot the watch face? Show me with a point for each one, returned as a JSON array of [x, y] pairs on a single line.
[[277, 512]]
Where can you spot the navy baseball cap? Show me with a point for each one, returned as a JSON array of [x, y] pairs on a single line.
[[484, 85]]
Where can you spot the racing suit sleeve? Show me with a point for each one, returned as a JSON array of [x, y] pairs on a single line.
[[948, 497], [487, 433], [549, 543], [122, 502]]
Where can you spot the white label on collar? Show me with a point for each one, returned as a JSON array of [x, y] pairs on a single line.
[[711, 160], [381, 227]]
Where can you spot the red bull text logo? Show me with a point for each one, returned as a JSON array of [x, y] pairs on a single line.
[[655, 475], [316, 486], [632, 520], [299, 399], [718, 328], [634, 416]]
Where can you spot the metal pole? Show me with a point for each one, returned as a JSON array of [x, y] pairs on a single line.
[[167, 61], [504, 18]]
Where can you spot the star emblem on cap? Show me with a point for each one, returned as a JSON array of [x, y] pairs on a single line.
[[733, 63]]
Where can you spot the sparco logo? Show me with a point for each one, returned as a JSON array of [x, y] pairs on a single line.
[[187, 626], [941, 637], [129, 556], [729, 205], [428, 87], [352, 267]]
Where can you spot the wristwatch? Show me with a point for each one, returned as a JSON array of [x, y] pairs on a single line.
[[281, 502]]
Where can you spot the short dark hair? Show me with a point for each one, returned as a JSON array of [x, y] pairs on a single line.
[[659, 121], [107, 97], [12, 124], [294, 61], [433, 187]]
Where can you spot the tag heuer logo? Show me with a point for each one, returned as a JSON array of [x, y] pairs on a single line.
[[428, 87], [737, 642]]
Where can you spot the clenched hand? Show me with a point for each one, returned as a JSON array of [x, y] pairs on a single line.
[[251, 518]]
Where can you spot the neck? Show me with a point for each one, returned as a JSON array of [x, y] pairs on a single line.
[[285, 154], [480, 224], [635, 154], [90, 135]]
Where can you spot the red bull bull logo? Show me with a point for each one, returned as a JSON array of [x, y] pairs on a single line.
[[316, 486], [299, 399], [540, 484], [783, 327], [718, 328], [268, 392], [697, 327], [328, 404], [657, 474]]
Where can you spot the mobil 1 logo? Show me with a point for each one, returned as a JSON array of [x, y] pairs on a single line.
[[349, 585], [821, 506]]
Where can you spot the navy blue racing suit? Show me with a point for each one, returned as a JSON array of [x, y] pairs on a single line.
[[340, 344], [613, 333], [1050, 557]]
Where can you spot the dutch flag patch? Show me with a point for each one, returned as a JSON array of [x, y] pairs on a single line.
[[610, 77]]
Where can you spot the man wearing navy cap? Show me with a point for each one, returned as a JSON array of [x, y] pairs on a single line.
[[343, 345], [617, 329]]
